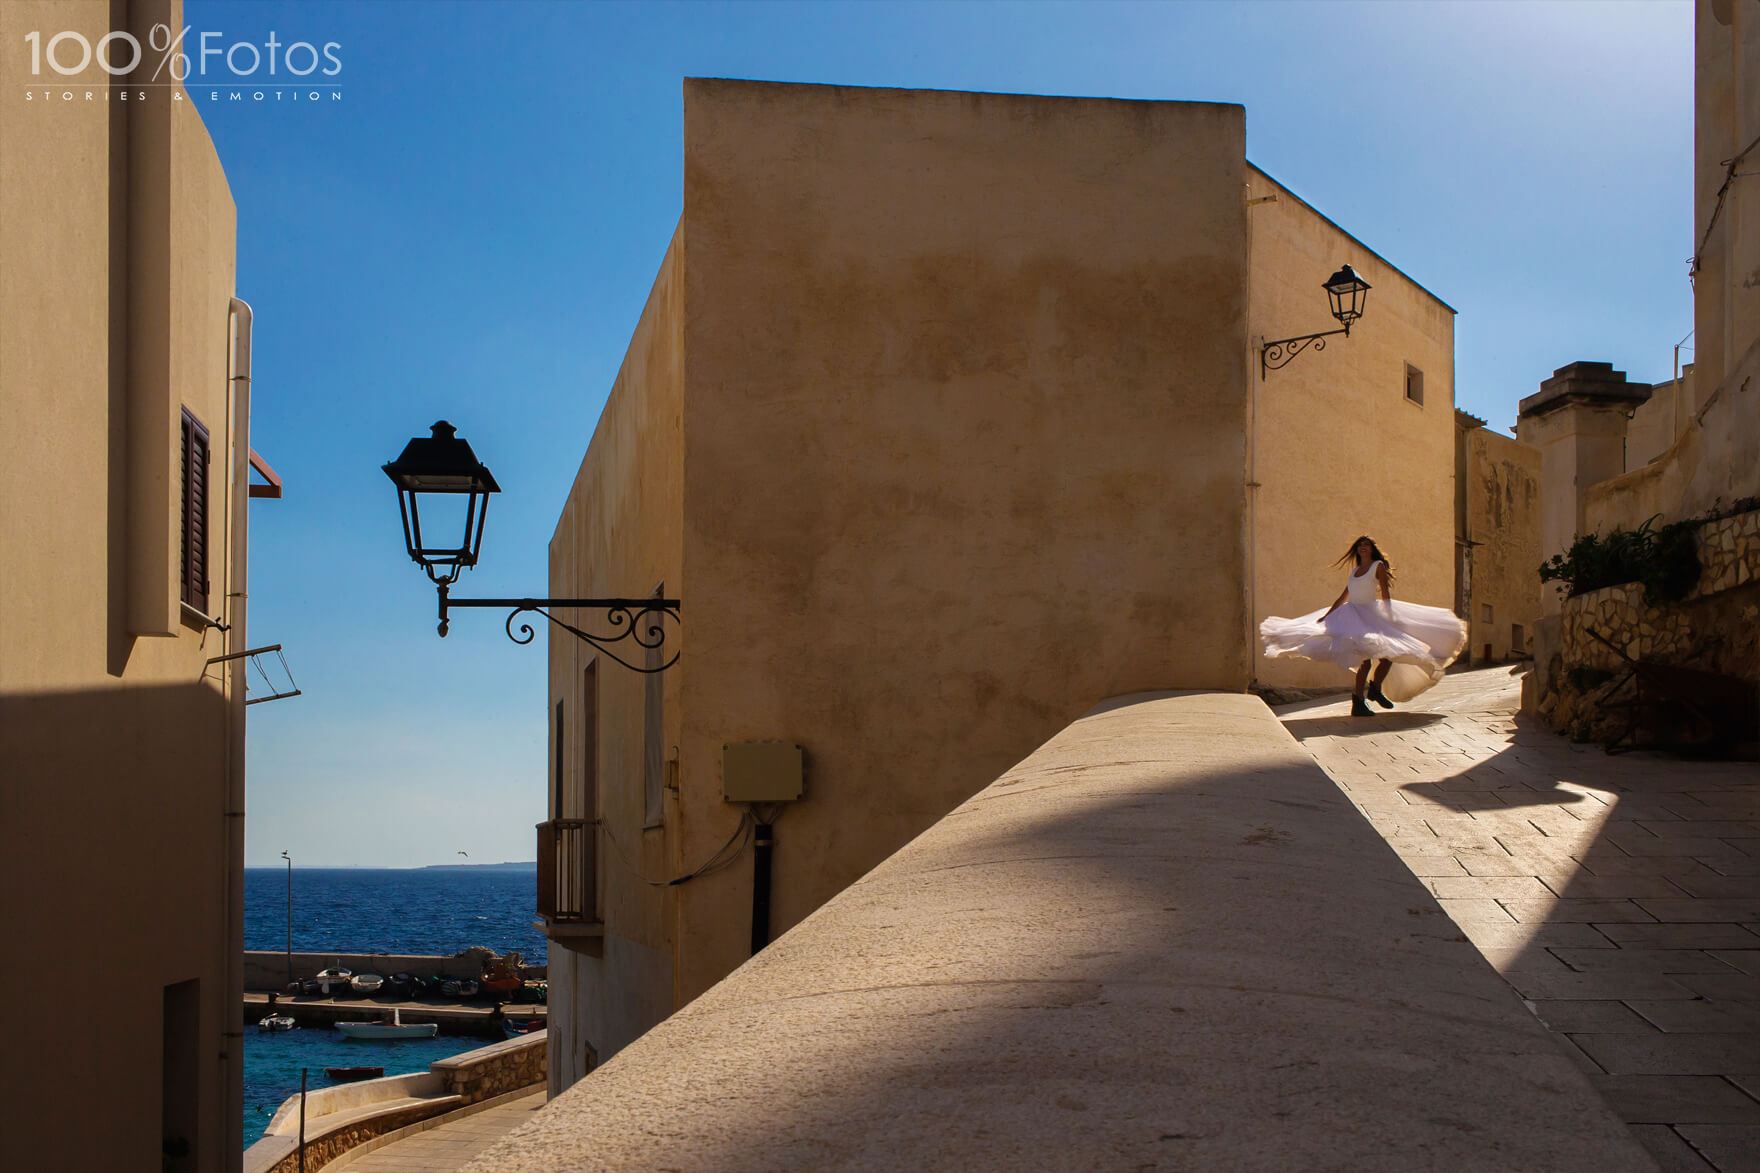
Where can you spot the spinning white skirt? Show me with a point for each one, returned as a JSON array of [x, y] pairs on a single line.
[[1421, 641]]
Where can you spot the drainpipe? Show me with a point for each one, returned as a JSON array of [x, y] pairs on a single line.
[[238, 530], [763, 838]]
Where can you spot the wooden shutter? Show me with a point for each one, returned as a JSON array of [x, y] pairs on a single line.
[[195, 513]]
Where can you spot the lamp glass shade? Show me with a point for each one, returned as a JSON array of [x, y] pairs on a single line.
[[442, 474], [1347, 292]]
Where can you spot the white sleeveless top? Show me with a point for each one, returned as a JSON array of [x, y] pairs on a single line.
[[1363, 588]]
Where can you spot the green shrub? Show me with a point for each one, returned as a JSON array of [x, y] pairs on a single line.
[[1666, 561]]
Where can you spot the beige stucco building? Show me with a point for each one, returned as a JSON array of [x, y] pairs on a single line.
[[1355, 439], [945, 418], [124, 376]]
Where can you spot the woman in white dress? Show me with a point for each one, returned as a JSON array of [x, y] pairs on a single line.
[[1413, 643]]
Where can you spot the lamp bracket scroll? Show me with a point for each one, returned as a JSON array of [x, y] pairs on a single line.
[[1273, 355], [642, 622]]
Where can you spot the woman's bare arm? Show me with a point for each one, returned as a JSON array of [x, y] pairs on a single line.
[[1382, 577], [1336, 604]]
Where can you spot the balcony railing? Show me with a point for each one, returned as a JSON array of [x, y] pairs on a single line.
[[567, 871]]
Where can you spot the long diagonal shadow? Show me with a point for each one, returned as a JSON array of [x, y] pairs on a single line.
[[1636, 943]]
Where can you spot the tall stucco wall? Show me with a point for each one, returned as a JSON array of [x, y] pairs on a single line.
[[1338, 449], [1503, 525], [964, 427], [117, 230], [619, 536]]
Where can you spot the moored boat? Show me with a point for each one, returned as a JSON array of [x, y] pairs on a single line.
[[347, 1073], [460, 988], [275, 1022], [391, 1028], [367, 983], [401, 984], [517, 1027], [336, 977]]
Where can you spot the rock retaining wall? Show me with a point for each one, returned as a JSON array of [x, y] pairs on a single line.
[[1716, 628]]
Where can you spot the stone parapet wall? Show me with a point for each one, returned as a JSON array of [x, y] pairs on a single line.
[[493, 1070], [340, 1119]]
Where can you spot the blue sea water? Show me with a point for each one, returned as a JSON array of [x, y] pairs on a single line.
[[394, 910], [373, 910]]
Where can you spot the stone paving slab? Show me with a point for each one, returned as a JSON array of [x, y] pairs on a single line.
[[1620, 895]]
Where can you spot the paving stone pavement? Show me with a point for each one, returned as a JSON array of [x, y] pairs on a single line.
[[447, 1145], [1619, 894]]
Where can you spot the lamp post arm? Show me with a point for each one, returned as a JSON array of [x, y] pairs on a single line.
[[1276, 354], [625, 618]]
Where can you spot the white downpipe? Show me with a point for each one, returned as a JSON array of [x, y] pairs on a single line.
[[238, 532]]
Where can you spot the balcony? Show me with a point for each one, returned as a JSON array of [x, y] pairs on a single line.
[[567, 878]]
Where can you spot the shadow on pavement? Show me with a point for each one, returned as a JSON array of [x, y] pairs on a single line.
[[1305, 727]]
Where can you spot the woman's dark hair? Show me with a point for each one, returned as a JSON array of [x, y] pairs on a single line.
[[1375, 555]]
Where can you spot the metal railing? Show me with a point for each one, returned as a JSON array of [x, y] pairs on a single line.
[[567, 870]]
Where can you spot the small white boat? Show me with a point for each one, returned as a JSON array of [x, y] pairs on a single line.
[[393, 1028], [275, 1022], [367, 983], [334, 976]]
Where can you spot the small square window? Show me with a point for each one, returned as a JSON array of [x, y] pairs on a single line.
[[1414, 385], [1485, 612]]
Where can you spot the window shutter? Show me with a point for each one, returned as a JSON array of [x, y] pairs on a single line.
[[195, 513]]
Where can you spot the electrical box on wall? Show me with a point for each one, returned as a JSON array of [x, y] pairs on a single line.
[[761, 771]]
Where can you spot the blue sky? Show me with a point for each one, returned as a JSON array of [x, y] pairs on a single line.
[[471, 231]]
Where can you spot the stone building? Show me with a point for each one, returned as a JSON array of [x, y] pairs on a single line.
[[124, 465], [1497, 541], [945, 419]]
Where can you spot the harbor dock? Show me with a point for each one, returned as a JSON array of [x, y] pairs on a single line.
[[462, 1018]]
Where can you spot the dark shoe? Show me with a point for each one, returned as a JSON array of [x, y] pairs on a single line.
[[1379, 697], [1359, 709]]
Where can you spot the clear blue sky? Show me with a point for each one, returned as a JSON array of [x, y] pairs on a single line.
[[471, 232]]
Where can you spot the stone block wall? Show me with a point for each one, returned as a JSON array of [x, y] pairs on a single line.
[[491, 1071]]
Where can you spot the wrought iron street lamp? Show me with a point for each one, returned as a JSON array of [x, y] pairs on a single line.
[[1347, 292], [441, 474]]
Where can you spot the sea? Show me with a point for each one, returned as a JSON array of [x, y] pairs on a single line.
[[436, 910]]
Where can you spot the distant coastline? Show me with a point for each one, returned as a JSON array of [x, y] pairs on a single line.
[[509, 866]]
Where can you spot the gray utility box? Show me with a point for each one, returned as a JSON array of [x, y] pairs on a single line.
[[761, 771]]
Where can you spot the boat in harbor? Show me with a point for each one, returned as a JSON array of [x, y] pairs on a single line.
[[275, 1022], [366, 983], [342, 1074], [334, 976], [515, 1027], [460, 988], [392, 1027]]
